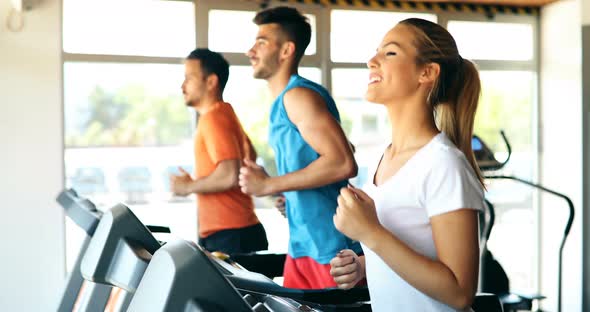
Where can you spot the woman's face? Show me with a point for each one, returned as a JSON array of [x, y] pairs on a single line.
[[393, 70]]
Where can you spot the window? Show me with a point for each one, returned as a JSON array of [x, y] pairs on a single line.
[[507, 104], [369, 123], [126, 124], [139, 27], [123, 131], [503, 41], [348, 44], [222, 27], [141, 105]]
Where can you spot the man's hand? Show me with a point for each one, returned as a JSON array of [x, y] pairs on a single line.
[[253, 179], [280, 204], [347, 269], [181, 184]]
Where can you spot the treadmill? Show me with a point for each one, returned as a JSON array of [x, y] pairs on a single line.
[[488, 163], [80, 294], [181, 276]]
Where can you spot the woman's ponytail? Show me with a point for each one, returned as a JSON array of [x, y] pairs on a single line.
[[456, 118]]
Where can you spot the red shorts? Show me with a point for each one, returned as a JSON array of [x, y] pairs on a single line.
[[306, 273]]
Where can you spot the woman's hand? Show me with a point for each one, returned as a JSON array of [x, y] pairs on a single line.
[[356, 216], [347, 269]]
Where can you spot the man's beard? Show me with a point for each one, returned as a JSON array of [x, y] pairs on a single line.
[[267, 69], [189, 103], [263, 73]]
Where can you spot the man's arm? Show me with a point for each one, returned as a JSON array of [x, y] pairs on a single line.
[[223, 178], [308, 111]]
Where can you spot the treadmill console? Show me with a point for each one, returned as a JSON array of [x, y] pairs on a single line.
[[485, 157]]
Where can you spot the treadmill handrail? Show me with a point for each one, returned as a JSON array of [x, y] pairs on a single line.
[[81, 210], [567, 229]]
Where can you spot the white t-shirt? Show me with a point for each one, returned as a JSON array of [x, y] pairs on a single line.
[[436, 180]]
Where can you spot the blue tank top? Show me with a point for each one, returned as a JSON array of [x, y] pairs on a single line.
[[309, 212]]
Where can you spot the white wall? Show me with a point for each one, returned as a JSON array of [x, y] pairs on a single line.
[[585, 12], [31, 224], [586, 144], [561, 151]]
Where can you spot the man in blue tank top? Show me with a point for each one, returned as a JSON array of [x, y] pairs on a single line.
[[313, 156]]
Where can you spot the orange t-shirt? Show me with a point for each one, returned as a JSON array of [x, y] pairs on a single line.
[[219, 137]]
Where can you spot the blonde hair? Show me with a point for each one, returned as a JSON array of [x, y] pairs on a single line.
[[455, 94]]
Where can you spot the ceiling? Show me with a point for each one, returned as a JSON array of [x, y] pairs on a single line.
[[504, 3], [529, 3]]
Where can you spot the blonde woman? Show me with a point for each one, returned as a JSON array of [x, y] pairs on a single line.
[[417, 216]]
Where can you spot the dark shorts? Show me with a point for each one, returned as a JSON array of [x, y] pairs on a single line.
[[242, 240]]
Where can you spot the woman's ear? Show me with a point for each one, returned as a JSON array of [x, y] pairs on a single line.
[[430, 73]]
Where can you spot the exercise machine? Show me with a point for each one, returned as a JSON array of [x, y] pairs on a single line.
[[491, 269], [184, 277], [78, 294]]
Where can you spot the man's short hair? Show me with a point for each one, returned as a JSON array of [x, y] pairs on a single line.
[[212, 63], [294, 25]]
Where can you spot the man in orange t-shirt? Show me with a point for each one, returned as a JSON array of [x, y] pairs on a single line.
[[226, 217]]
